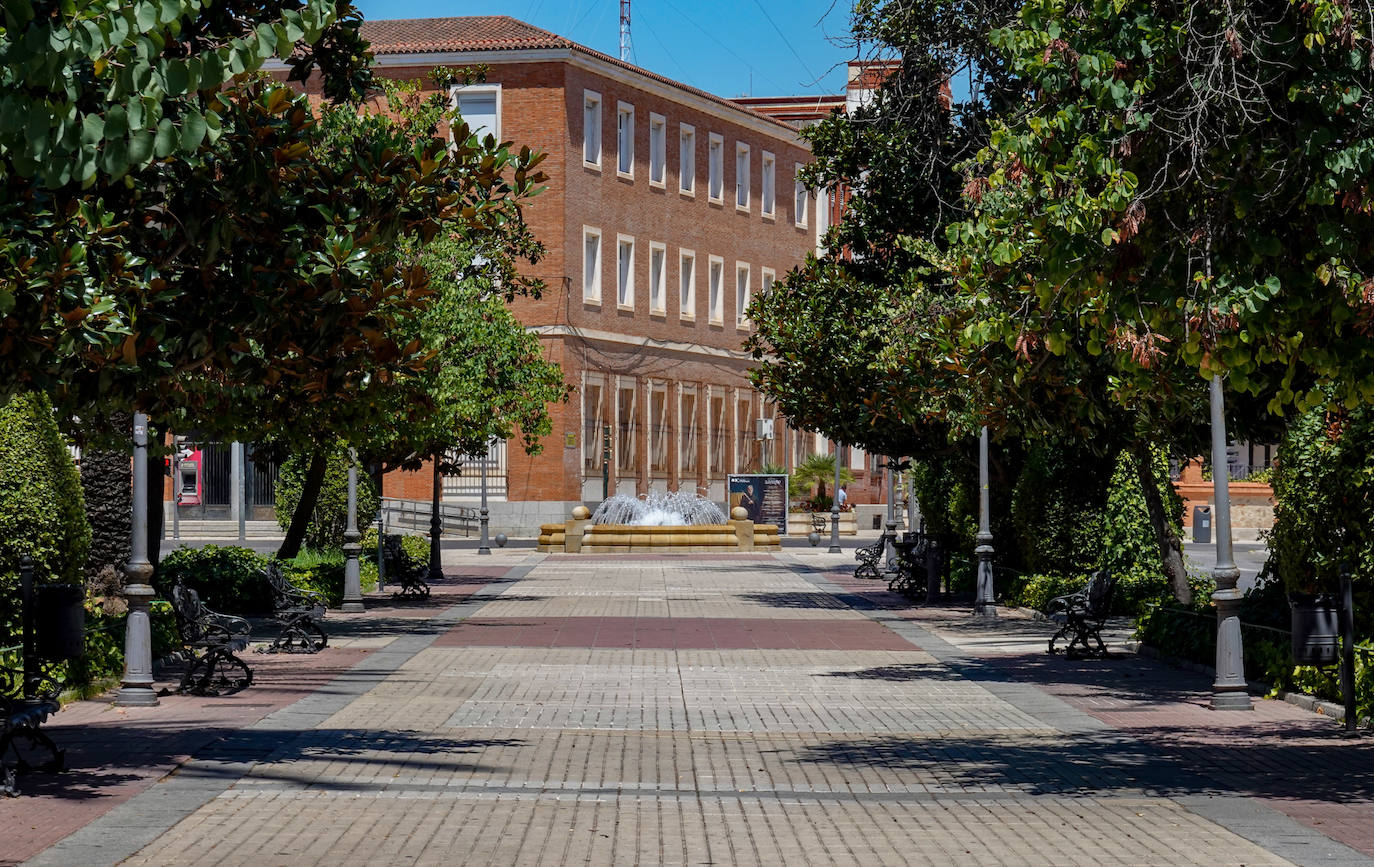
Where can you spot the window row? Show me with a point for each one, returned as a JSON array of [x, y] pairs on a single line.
[[647, 430], [625, 273], [686, 164]]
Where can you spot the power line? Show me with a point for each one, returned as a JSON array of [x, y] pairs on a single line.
[[711, 36], [784, 39]]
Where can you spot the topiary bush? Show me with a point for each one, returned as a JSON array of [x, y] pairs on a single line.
[[106, 481], [229, 579], [323, 572], [326, 530], [1058, 508], [42, 511]]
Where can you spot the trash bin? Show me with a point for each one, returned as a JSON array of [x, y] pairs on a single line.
[[1202, 524]]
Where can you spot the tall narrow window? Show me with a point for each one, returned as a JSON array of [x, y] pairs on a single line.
[[687, 428], [625, 271], [766, 279], [741, 293], [715, 279], [592, 420], [627, 430], [687, 159], [716, 168], [658, 429], [768, 185], [658, 149], [742, 176], [658, 274], [591, 265], [716, 435], [591, 128], [800, 197], [687, 284], [625, 139], [744, 433], [480, 108]]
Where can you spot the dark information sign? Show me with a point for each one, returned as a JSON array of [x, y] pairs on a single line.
[[763, 497]]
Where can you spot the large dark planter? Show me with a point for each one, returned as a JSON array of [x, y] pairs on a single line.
[[1316, 628], [59, 623]]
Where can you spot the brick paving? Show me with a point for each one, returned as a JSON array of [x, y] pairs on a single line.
[[706, 710]]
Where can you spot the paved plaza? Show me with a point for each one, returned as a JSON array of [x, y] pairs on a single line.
[[748, 709]]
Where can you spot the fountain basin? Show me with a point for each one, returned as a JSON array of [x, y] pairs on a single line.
[[581, 536]]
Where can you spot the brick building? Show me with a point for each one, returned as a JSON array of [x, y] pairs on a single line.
[[667, 208]]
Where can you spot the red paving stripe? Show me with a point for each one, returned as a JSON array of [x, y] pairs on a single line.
[[674, 633], [644, 558]]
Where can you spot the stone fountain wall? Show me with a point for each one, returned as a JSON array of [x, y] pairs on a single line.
[[580, 535]]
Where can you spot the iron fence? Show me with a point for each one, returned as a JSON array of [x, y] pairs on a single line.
[[399, 514]]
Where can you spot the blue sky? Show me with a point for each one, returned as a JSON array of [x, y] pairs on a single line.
[[726, 47]]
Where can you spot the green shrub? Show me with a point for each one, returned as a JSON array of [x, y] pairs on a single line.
[[323, 572], [106, 483], [42, 512], [327, 523], [104, 647], [1058, 509], [415, 547], [228, 579]]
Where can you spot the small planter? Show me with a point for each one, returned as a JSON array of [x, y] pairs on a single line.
[[59, 621], [1316, 628]]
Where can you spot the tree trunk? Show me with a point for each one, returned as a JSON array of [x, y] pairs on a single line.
[[1170, 545], [305, 509], [107, 483]]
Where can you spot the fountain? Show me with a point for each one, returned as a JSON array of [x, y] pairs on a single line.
[[678, 522], [658, 509]]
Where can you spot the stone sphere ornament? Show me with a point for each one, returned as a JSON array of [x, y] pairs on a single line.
[[814, 538], [739, 513], [581, 513], [500, 540]]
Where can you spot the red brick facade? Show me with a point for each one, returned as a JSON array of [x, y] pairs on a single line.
[[672, 385]]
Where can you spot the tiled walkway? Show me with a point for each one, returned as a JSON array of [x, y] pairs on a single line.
[[709, 710]]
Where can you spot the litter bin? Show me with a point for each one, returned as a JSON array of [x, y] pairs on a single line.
[[1202, 524]]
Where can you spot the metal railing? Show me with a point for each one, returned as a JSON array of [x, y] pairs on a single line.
[[399, 514], [1283, 634]]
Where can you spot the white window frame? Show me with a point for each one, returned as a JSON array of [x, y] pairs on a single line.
[[767, 277], [742, 293], [800, 197], [687, 424], [591, 100], [742, 177], [687, 274], [591, 290], [456, 89], [715, 290], [687, 160], [768, 186], [625, 293], [624, 140], [658, 150], [658, 279], [715, 168]]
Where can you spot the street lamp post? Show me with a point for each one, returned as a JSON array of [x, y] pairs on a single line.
[[136, 687], [1228, 690], [892, 470], [986, 605], [353, 584], [835, 504], [436, 567], [483, 545]]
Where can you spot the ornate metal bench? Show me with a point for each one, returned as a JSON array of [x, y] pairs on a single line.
[[28, 695], [1082, 614], [213, 639], [299, 612], [869, 556], [910, 575], [407, 571]]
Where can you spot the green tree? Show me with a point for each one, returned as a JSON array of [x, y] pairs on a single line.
[[328, 516], [817, 471], [98, 103]]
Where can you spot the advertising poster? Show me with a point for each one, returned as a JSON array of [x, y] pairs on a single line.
[[764, 497]]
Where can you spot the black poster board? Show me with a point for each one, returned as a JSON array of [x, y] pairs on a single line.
[[764, 497]]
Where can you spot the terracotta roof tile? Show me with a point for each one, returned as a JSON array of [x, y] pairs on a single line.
[[472, 33], [503, 33]]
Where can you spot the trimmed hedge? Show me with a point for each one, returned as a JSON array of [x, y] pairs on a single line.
[[42, 510], [230, 579]]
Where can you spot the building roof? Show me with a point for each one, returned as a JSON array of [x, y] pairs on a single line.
[[400, 36]]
